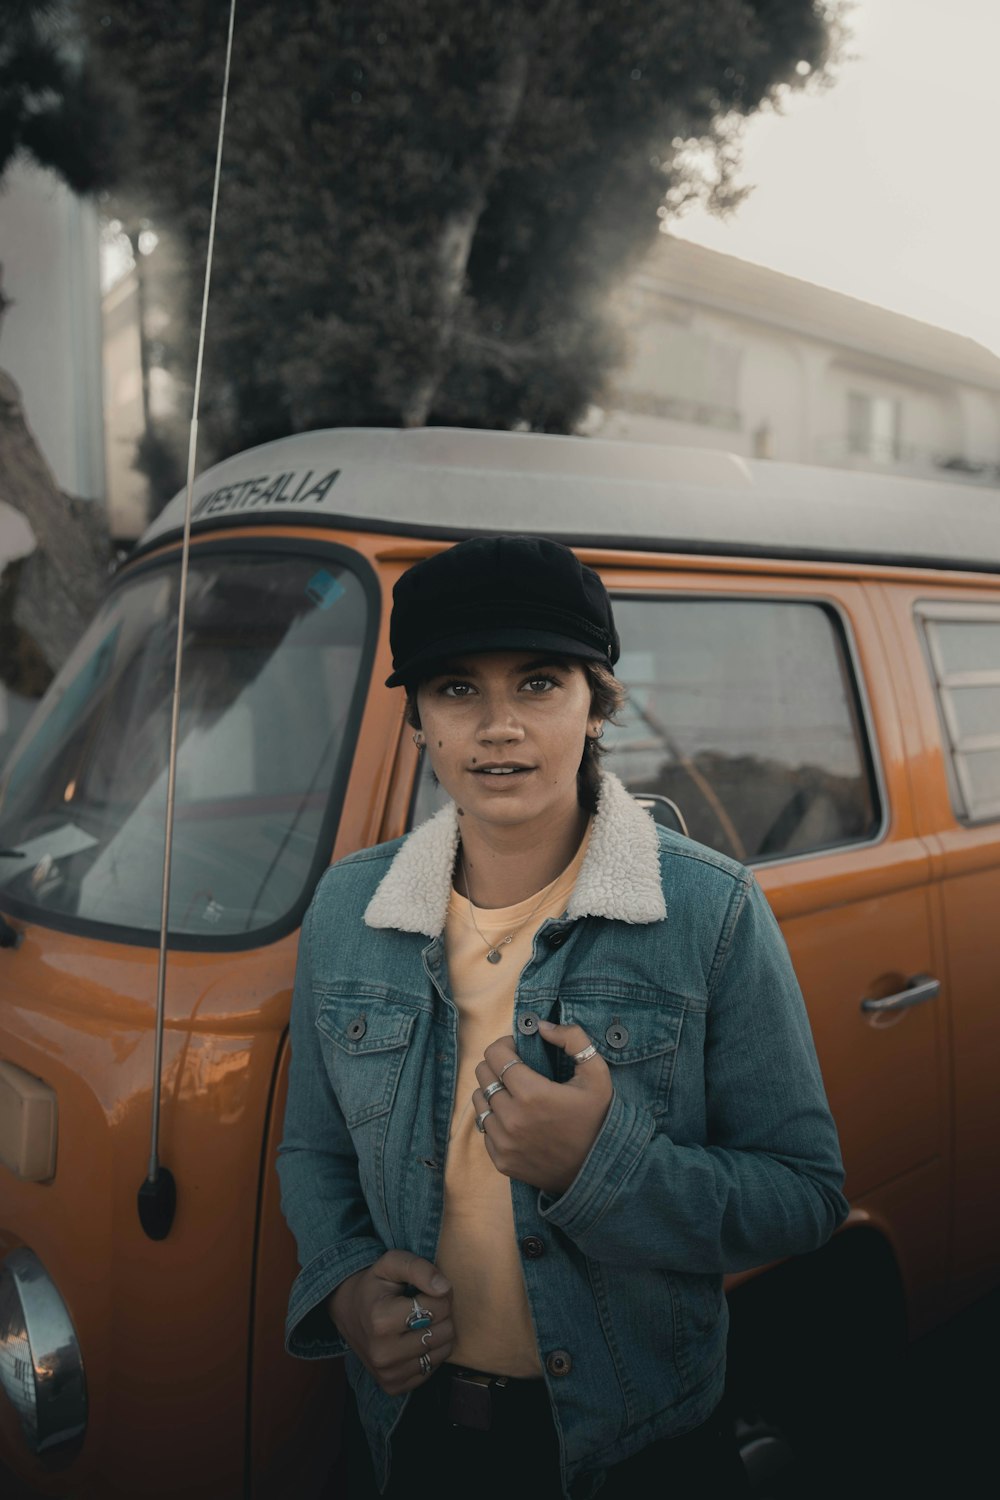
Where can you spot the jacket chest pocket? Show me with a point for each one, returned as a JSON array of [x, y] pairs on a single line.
[[638, 1041], [364, 1044]]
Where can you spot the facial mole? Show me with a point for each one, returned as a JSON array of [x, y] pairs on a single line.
[[461, 812], [440, 743], [474, 760]]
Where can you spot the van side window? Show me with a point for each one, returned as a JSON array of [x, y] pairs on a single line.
[[963, 650], [745, 713]]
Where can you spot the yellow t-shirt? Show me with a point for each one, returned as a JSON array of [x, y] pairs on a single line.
[[478, 1250]]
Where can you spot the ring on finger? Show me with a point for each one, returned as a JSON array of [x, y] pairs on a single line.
[[586, 1054], [481, 1120], [425, 1338], [420, 1317], [491, 1089], [509, 1064], [425, 1364]]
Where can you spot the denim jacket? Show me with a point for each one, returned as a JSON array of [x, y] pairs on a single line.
[[717, 1153]]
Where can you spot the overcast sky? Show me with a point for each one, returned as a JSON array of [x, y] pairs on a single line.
[[886, 186]]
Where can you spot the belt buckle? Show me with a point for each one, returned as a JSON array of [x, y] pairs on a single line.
[[469, 1401]]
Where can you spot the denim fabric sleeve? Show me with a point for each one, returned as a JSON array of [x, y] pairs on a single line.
[[767, 1181], [321, 1196]]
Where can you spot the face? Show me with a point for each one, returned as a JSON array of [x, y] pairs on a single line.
[[505, 732]]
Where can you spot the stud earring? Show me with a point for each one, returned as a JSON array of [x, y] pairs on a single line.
[[418, 739]]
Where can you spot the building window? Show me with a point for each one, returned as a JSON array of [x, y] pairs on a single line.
[[682, 375], [874, 425]]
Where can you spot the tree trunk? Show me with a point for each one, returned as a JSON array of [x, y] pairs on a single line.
[[58, 587], [455, 241]]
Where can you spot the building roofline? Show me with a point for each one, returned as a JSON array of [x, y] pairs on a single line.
[[656, 276]]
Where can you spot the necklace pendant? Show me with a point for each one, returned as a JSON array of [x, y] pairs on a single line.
[[494, 956]]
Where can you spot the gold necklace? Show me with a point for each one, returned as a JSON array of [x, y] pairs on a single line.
[[493, 954]]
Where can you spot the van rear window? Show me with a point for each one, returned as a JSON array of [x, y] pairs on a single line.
[[963, 648], [269, 697], [744, 713]]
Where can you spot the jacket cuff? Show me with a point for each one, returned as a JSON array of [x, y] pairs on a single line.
[[310, 1332], [620, 1142]]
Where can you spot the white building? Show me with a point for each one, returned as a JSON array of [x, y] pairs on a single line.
[[50, 338], [727, 354]]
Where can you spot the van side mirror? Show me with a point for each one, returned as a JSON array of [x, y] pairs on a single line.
[[664, 810]]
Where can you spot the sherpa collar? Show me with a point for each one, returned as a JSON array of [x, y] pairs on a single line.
[[619, 878]]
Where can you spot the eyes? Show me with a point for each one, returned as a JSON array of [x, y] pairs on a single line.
[[538, 685]]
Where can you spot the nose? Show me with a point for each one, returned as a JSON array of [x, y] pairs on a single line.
[[499, 723]]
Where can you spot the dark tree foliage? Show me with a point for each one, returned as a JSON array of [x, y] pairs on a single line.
[[425, 203], [53, 109]]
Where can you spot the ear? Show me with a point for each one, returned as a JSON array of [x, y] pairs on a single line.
[[595, 728]]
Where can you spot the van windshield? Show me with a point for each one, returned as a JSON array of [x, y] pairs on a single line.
[[270, 695]]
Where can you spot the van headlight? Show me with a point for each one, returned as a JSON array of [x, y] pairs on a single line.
[[41, 1367]]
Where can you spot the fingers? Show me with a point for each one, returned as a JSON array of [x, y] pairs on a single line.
[[388, 1316], [404, 1268], [491, 1083], [429, 1341], [401, 1357], [503, 1063], [590, 1067], [490, 1107], [403, 1366], [373, 1308]]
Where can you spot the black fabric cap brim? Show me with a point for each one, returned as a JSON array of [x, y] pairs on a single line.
[[512, 638]]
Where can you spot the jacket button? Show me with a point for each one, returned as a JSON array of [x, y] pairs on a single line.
[[532, 1247], [357, 1028], [557, 938], [527, 1024], [559, 1362], [616, 1035]]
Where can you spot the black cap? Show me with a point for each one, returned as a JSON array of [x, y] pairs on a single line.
[[498, 593]]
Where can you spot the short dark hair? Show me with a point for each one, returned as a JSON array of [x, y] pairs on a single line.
[[607, 698]]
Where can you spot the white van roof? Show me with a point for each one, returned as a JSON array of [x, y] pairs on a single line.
[[455, 482]]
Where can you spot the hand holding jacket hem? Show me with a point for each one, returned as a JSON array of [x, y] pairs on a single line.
[[371, 1309]]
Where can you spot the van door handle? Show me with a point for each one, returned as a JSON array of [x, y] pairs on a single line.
[[920, 988]]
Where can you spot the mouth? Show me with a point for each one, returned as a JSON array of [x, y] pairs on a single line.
[[501, 771]]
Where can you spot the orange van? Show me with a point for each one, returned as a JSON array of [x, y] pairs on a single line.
[[813, 664]]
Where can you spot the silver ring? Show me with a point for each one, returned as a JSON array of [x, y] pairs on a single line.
[[420, 1316], [425, 1364], [425, 1338], [491, 1089], [508, 1064], [586, 1054], [481, 1120]]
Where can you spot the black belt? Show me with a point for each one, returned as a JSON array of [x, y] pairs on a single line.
[[472, 1398]]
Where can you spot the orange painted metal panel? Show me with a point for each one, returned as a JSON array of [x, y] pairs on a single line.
[[966, 862]]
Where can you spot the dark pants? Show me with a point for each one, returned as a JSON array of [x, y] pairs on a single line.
[[518, 1457]]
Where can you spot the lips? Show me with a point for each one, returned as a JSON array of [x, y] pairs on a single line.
[[500, 771]]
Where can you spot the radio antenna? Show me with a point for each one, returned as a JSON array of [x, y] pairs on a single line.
[[157, 1198]]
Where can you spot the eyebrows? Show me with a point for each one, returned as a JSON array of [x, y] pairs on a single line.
[[457, 667]]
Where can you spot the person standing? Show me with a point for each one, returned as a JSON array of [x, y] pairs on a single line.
[[551, 1079]]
